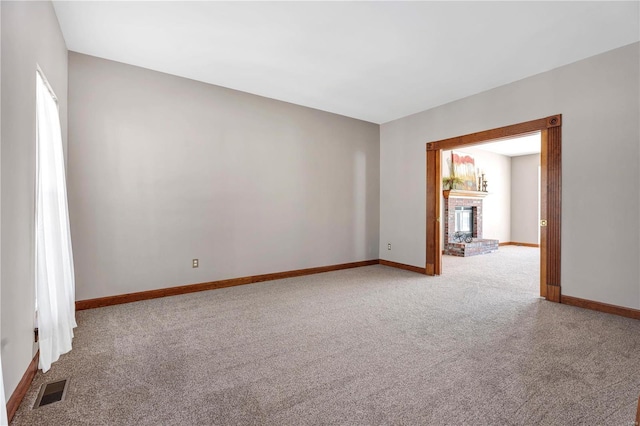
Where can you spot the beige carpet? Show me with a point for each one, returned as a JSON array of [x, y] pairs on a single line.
[[372, 345]]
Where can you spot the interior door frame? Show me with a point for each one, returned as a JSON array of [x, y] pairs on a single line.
[[550, 129]]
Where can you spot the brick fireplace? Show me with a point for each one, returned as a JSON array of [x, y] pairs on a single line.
[[463, 213]]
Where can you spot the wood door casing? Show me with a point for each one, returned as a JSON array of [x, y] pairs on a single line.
[[543, 209], [550, 129], [434, 185], [553, 197]]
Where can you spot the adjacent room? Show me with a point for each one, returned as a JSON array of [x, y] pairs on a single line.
[[288, 212], [490, 200]]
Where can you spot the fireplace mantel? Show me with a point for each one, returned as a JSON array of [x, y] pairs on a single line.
[[463, 193]]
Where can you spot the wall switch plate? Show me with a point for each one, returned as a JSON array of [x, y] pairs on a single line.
[[389, 246], [194, 263]]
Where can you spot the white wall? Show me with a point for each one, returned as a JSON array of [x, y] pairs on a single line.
[[30, 36], [524, 199], [496, 206], [598, 98], [164, 169]]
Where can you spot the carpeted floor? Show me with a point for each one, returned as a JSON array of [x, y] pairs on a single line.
[[372, 345]]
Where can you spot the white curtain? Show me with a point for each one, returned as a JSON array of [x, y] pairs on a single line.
[[3, 408], [55, 286]]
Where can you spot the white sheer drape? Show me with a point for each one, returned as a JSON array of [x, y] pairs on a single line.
[[55, 286], [3, 408]]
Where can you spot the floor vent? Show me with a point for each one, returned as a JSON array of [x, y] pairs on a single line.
[[51, 392]]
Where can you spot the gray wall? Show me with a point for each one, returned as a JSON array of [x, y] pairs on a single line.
[[30, 36], [164, 169], [598, 98], [524, 199]]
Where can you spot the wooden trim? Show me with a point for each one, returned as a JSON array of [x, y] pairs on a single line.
[[514, 243], [519, 129], [21, 390], [553, 293], [430, 269], [192, 288], [550, 129], [438, 224], [544, 258], [461, 193], [403, 266], [601, 307], [553, 204], [434, 186]]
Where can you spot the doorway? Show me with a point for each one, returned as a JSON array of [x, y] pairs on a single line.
[[550, 195]]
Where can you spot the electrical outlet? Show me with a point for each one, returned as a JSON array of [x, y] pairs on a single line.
[[194, 263], [389, 246]]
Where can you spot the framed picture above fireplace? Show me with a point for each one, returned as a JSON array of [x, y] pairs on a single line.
[[463, 166]]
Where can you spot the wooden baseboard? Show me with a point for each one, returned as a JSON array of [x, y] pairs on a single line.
[[513, 243], [602, 307], [192, 288], [403, 266], [21, 390]]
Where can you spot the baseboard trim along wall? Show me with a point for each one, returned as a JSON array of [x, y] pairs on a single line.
[[513, 243], [192, 288], [403, 266], [21, 390], [602, 307]]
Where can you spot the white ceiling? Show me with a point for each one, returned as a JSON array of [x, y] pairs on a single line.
[[376, 61], [514, 147]]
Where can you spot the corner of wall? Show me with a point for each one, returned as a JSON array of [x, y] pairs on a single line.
[[31, 36]]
